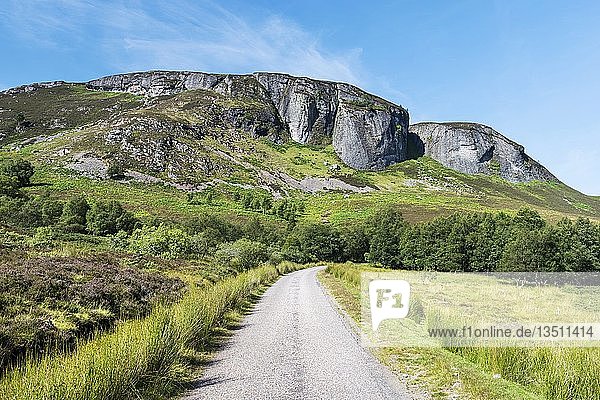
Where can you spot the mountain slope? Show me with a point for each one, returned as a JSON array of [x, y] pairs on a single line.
[[283, 134], [475, 149]]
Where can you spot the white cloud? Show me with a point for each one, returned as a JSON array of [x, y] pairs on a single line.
[[182, 34], [219, 41]]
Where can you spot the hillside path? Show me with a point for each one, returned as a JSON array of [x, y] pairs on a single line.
[[296, 345]]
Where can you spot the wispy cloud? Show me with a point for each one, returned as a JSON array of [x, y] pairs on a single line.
[[195, 35]]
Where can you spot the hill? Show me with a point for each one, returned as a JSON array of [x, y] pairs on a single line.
[[136, 205], [286, 135]]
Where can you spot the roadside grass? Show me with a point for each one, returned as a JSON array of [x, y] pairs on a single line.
[[150, 358], [549, 373]]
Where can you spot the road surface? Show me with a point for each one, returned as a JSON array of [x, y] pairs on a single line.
[[295, 345]]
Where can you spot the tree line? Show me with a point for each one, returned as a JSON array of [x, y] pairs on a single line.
[[472, 242]]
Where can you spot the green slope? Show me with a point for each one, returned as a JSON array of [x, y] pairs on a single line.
[[199, 137]]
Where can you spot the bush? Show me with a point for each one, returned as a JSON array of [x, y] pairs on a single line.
[[115, 171], [161, 241], [43, 237], [242, 255], [18, 169], [214, 230], [74, 214], [9, 186], [107, 218], [263, 231], [21, 212]]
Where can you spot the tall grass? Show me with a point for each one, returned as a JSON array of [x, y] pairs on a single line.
[[143, 358], [553, 373]]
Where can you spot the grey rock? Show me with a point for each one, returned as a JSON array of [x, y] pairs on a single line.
[[475, 148], [32, 87], [366, 131], [369, 133], [307, 106]]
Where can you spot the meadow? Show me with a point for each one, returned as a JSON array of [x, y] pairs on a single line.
[[545, 372]]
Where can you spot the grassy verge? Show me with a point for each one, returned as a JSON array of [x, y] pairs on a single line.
[[550, 372], [150, 358], [48, 303], [440, 372]]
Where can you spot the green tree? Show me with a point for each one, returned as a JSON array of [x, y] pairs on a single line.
[[580, 244], [74, 214], [19, 169], [385, 230], [107, 218], [529, 219], [313, 242], [355, 242], [533, 251]]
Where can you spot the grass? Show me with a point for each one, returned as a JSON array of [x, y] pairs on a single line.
[[49, 302], [51, 110], [549, 373], [423, 187], [149, 358]]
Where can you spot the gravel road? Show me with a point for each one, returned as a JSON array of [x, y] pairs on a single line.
[[295, 345]]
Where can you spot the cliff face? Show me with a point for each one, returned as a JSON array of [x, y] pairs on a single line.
[[474, 148], [366, 132]]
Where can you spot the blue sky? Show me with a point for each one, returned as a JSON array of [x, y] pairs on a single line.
[[530, 69]]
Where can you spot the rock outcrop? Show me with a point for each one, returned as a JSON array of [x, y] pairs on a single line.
[[474, 148], [32, 87], [366, 131]]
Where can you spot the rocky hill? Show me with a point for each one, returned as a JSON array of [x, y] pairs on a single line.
[[475, 149], [274, 132], [365, 131]]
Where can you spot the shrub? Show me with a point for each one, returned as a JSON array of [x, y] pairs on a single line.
[[74, 214], [161, 241], [242, 255], [9, 186], [43, 237], [19, 169], [21, 212], [106, 218], [263, 231], [214, 229], [115, 171]]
